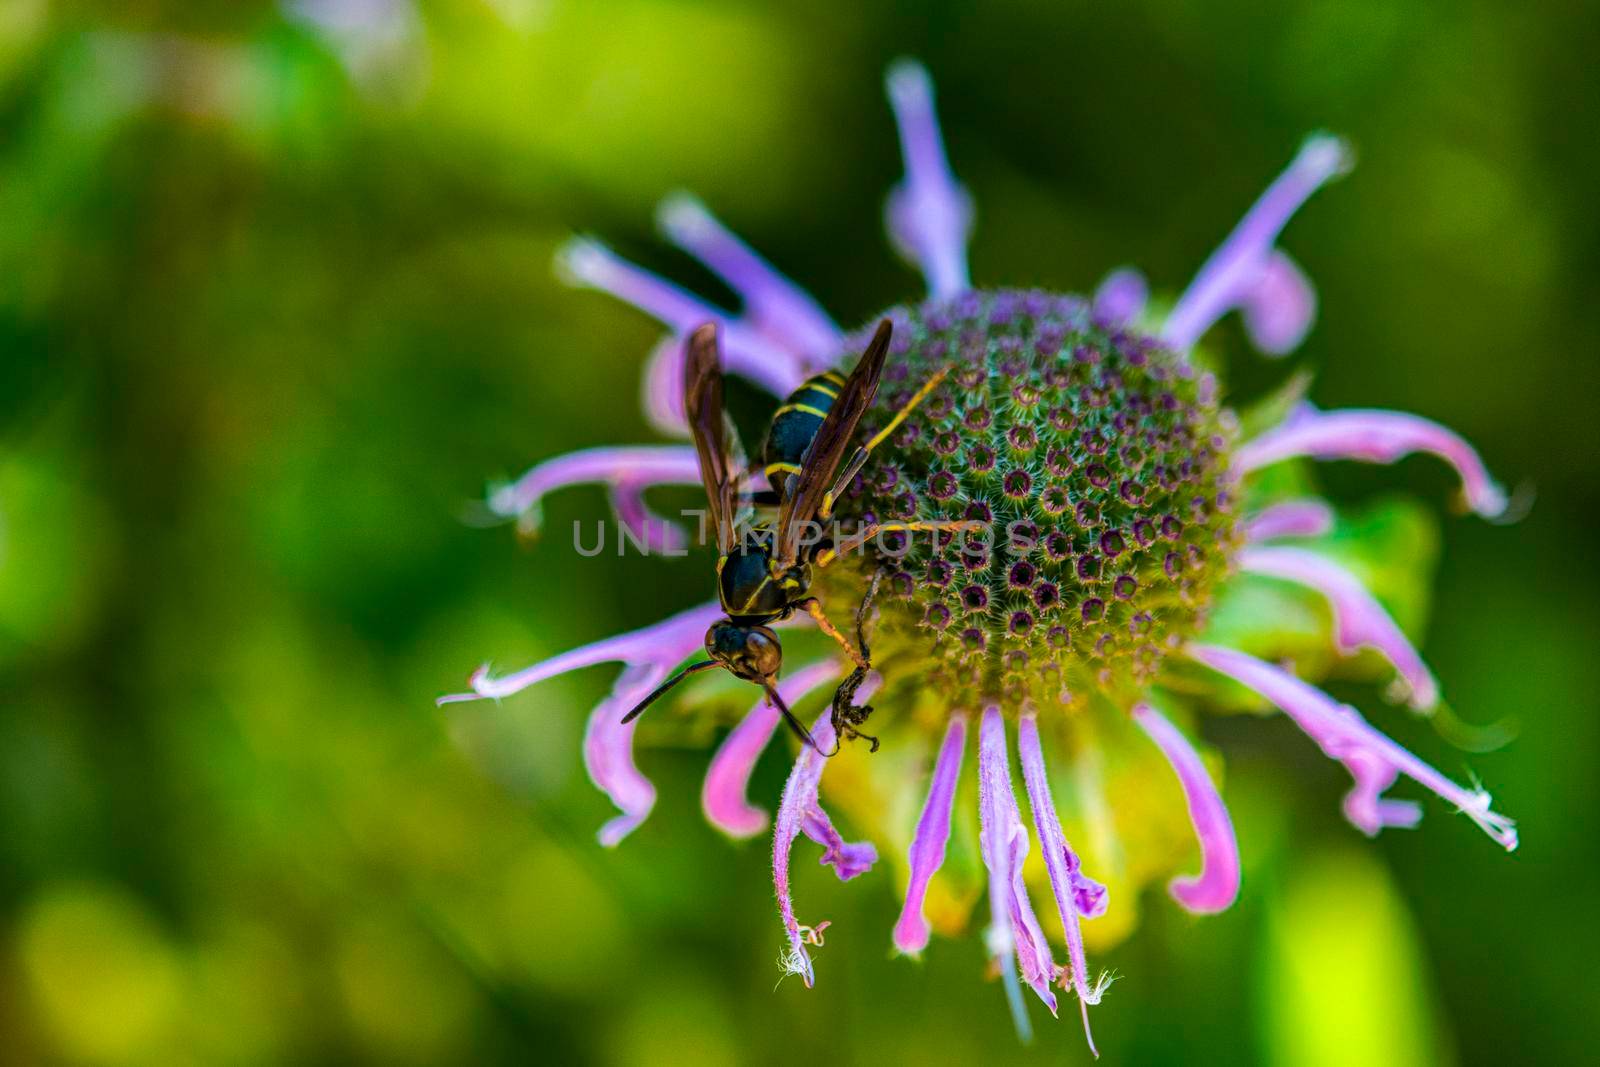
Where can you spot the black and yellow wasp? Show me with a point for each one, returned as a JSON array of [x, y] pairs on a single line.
[[764, 570]]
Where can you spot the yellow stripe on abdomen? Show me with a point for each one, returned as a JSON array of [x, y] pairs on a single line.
[[806, 408]]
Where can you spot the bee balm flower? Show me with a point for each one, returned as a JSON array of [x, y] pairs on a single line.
[[1133, 524]]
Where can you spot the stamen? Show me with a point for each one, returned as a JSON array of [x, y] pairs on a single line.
[[1238, 267], [911, 931], [1121, 297], [1217, 885], [1372, 759], [628, 472], [1291, 518], [800, 812], [722, 797], [1076, 893], [929, 215], [1004, 956], [775, 305], [1359, 621], [1004, 843], [1374, 437]]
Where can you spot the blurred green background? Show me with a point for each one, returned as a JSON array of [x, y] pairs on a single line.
[[276, 300]]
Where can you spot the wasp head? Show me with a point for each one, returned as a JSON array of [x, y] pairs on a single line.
[[750, 652]]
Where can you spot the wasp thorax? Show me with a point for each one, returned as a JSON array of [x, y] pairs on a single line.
[[1096, 460]]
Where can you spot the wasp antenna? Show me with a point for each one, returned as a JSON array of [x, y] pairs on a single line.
[[693, 668], [795, 724]]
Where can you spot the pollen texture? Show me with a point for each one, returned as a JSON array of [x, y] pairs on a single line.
[[1098, 460]]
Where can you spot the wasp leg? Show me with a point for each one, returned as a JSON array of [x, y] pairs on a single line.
[[863, 610], [858, 459], [847, 715], [813, 607], [867, 533]]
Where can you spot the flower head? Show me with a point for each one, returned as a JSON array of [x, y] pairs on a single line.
[[1128, 522]]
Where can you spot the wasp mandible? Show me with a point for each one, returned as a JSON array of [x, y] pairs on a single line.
[[764, 571]]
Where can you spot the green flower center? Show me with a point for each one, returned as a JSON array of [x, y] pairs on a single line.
[[1097, 460]]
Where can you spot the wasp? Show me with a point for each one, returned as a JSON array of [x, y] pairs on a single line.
[[764, 570]]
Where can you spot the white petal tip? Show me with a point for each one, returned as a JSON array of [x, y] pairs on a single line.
[[1328, 154], [1501, 829], [907, 79], [911, 949], [1495, 506], [579, 261], [613, 832], [681, 216], [483, 688], [794, 961]]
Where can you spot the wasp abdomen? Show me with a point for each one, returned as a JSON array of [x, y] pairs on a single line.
[[795, 424]]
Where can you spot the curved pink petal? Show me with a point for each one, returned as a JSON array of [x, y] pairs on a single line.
[[1291, 518], [627, 470], [846, 858], [1374, 437], [1372, 759], [608, 754], [1366, 807], [1229, 277], [663, 645], [650, 531], [584, 261], [1280, 306], [800, 812], [911, 931], [1003, 839], [722, 797], [1359, 621], [1076, 893], [661, 387], [1216, 887], [1121, 296], [650, 653], [775, 305], [929, 215]]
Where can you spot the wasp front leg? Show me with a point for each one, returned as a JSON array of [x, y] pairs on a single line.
[[813, 607], [847, 716]]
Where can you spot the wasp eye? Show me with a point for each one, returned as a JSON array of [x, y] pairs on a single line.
[[763, 655]]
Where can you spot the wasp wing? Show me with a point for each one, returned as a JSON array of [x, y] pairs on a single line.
[[827, 449], [702, 402]]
